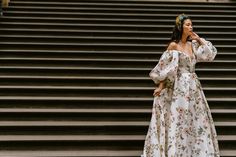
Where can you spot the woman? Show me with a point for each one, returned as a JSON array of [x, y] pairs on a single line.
[[181, 123]]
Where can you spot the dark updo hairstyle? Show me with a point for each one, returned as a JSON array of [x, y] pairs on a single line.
[[178, 29]]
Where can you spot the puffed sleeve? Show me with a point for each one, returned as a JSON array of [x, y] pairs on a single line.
[[166, 68], [204, 53]]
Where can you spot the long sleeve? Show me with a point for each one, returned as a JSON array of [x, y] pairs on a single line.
[[166, 68], [206, 52]]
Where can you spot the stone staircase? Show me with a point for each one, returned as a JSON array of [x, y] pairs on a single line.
[[74, 74]]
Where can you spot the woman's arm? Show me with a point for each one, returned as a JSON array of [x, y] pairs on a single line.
[[200, 41], [204, 50]]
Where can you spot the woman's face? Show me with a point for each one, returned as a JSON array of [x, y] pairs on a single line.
[[187, 27]]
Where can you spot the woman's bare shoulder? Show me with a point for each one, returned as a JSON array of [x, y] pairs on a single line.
[[172, 46]]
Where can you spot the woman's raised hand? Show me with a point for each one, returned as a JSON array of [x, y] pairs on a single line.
[[194, 36]]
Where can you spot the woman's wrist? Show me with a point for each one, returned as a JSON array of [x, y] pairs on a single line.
[[200, 41]]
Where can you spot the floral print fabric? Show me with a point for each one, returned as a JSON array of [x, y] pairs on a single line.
[[181, 123]]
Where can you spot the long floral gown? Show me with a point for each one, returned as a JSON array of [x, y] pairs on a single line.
[[181, 123]]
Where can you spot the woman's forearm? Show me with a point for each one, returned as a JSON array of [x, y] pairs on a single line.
[[161, 84]]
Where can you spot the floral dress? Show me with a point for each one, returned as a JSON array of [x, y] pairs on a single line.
[[181, 123]]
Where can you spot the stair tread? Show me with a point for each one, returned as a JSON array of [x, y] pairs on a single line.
[[59, 98], [104, 25], [97, 52], [104, 68], [98, 87], [91, 123], [112, 19], [104, 31], [95, 44], [96, 59], [120, 14], [89, 137], [70, 137], [101, 77], [88, 44], [73, 123], [65, 12], [102, 111], [117, 9], [72, 153], [87, 153], [100, 37], [131, 4]]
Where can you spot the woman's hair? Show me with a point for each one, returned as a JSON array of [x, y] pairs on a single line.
[[178, 28]]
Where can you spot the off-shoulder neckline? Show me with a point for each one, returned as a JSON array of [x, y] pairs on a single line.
[[182, 52], [192, 56]]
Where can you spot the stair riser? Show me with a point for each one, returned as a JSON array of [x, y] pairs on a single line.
[[114, 27], [114, 10], [108, 15], [94, 33], [99, 92], [74, 130], [64, 145], [99, 72], [98, 55], [97, 47], [96, 104], [145, 5], [86, 145], [90, 130], [123, 2], [108, 64], [35, 116], [97, 82], [113, 40]]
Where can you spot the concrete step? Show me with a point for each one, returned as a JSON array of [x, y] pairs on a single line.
[[99, 102], [115, 40], [58, 37], [217, 3], [102, 71], [27, 55], [110, 20], [114, 138], [121, 99], [42, 80], [117, 27], [117, 10], [103, 88], [86, 54], [27, 19], [92, 62], [73, 153], [88, 145], [203, 6], [91, 127], [113, 15], [107, 33], [81, 153], [89, 123], [92, 111], [100, 9], [75, 114], [71, 91], [99, 46], [106, 68]]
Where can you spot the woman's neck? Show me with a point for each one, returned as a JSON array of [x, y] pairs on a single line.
[[184, 39]]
